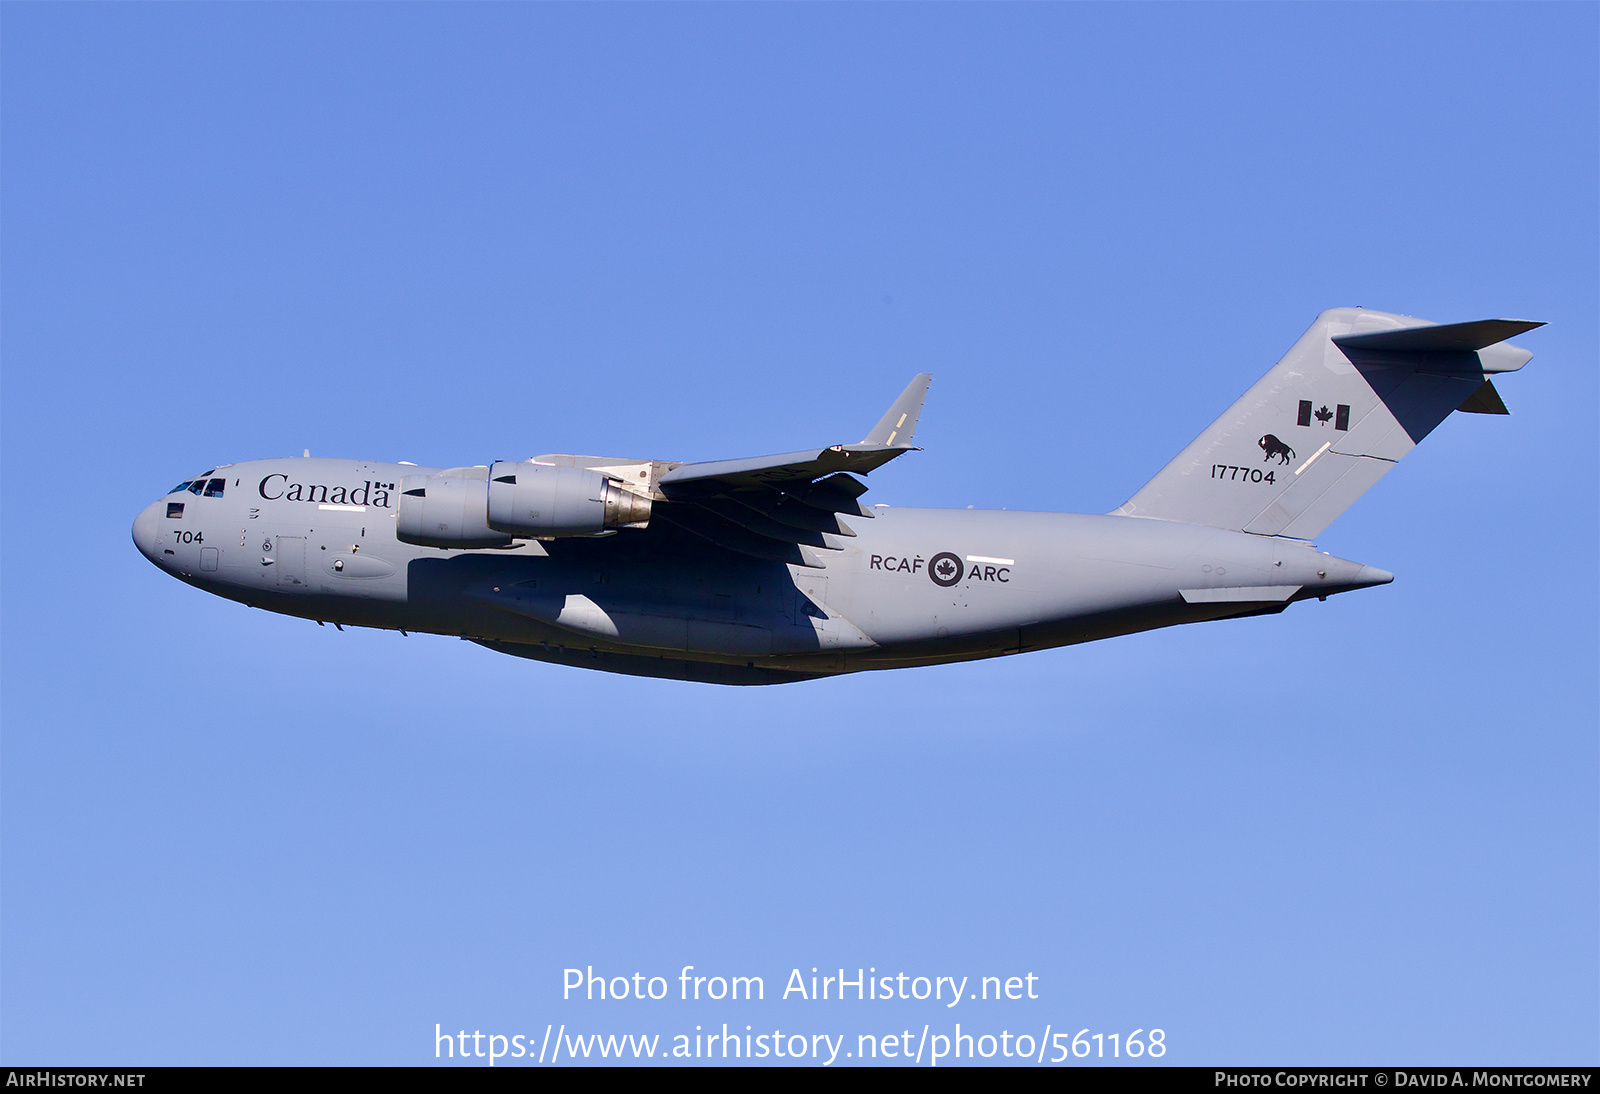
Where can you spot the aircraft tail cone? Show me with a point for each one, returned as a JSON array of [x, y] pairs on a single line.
[[1368, 576]]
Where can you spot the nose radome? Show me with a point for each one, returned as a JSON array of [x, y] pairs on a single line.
[[145, 526]]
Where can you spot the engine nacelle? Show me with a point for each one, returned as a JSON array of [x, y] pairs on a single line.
[[446, 511], [535, 499]]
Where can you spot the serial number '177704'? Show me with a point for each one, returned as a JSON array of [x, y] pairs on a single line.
[[1241, 474]]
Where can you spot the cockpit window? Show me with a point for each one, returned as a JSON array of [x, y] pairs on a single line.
[[199, 483], [214, 487]]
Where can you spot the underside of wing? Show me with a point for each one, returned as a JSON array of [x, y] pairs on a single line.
[[788, 507]]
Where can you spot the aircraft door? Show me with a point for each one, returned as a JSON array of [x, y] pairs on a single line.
[[291, 562]]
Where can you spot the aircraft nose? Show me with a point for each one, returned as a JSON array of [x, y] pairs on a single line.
[[145, 526], [1371, 575]]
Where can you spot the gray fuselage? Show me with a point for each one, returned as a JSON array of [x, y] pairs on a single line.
[[316, 538]]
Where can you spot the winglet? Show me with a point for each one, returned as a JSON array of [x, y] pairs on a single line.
[[896, 427]]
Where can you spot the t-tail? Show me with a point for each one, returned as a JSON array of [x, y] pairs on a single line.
[[1357, 392]]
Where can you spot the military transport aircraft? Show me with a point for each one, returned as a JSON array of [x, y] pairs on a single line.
[[769, 569]]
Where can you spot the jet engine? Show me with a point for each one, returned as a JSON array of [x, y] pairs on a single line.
[[468, 507], [447, 510], [536, 499]]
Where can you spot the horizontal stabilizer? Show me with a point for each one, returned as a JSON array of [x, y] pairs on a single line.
[[1438, 337]]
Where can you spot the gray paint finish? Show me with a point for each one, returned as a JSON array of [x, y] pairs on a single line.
[[745, 572]]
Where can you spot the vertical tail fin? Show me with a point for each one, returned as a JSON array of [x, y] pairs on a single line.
[[1357, 392]]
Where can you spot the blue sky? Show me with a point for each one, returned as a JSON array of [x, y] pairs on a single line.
[[1359, 832]]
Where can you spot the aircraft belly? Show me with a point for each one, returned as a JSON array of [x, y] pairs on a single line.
[[617, 619]]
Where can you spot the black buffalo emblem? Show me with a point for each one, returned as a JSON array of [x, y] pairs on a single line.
[[1274, 447]]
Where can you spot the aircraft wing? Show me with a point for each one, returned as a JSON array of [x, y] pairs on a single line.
[[786, 507], [789, 467]]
